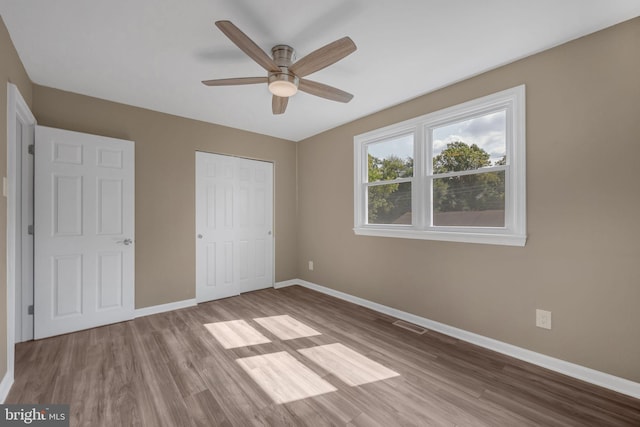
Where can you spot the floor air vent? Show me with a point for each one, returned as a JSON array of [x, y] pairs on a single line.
[[410, 327]]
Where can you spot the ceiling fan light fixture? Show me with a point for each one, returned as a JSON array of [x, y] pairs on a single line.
[[283, 85], [285, 74]]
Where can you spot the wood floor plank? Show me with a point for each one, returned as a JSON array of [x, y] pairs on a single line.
[[239, 398], [236, 333], [206, 410], [283, 378], [155, 384], [286, 327], [350, 366], [365, 420], [169, 370]]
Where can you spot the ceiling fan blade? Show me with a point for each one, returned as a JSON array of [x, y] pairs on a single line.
[[324, 91], [235, 81], [247, 45], [279, 104], [323, 57]]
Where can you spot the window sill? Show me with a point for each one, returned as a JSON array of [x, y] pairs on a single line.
[[447, 236]]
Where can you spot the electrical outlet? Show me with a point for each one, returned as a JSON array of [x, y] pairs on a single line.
[[543, 319], [310, 265]]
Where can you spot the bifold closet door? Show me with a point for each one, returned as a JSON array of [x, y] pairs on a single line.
[[234, 223]]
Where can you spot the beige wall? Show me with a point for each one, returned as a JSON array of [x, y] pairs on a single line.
[[165, 184], [581, 259], [11, 70]]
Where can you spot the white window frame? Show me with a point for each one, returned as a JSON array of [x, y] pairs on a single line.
[[514, 233]]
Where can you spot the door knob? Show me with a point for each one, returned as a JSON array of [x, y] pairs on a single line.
[[127, 242], [199, 236]]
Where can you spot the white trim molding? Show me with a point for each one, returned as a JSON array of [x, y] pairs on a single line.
[[286, 283], [17, 110], [583, 373], [162, 308], [5, 386]]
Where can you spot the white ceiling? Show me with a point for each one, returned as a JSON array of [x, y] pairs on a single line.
[[154, 53]]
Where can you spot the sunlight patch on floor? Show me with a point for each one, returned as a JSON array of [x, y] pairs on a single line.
[[235, 333], [283, 377], [350, 366], [286, 327]]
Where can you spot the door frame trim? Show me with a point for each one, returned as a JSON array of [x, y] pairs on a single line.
[[17, 109]]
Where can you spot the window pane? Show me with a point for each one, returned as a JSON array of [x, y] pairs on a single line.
[[390, 159], [389, 204], [471, 200], [470, 144]]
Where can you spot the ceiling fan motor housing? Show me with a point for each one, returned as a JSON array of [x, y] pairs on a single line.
[[283, 56]]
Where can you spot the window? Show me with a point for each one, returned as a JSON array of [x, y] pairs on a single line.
[[389, 176], [457, 174]]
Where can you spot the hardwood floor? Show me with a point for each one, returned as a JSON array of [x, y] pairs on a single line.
[[236, 333], [286, 327], [168, 370]]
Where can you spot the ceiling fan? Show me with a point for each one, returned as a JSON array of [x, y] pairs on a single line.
[[285, 77]]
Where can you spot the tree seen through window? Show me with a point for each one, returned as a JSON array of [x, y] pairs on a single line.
[[482, 191]]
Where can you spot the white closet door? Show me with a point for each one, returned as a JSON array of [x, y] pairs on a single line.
[[234, 218], [84, 229], [254, 224]]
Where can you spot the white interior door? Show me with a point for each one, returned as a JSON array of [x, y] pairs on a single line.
[[234, 222], [84, 229]]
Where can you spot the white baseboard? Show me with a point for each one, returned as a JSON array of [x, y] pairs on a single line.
[[286, 283], [5, 386], [583, 373], [155, 309]]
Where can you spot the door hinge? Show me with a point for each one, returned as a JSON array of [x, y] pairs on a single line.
[[30, 230], [31, 149], [30, 309]]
